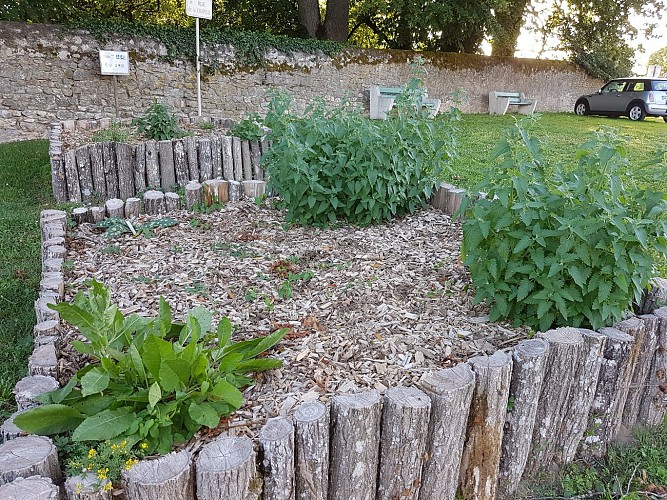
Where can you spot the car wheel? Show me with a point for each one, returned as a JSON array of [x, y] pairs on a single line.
[[636, 112], [664, 118], [581, 108]]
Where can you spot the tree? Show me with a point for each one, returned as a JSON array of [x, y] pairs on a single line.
[[509, 19], [659, 58], [335, 24]]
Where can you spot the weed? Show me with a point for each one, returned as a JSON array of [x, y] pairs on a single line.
[[158, 123], [111, 250], [206, 125], [116, 132], [250, 295]]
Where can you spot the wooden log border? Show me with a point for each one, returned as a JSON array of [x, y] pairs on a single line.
[[605, 374], [102, 171]]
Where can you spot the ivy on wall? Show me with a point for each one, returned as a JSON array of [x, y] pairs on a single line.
[[180, 41]]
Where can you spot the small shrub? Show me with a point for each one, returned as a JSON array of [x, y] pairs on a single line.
[[248, 129], [154, 381], [335, 163], [116, 132], [158, 123], [573, 248]]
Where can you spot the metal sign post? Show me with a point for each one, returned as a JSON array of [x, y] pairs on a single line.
[[114, 63], [199, 9]]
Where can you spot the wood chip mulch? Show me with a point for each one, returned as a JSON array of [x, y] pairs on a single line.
[[372, 307]]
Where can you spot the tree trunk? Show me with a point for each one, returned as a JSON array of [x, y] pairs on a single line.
[[193, 194], [450, 391], [654, 400], [32, 488], [9, 430], [405, 418], [58, 179], [581, 397], [481, 453], [253, 189], [43, 361], [30, 387], [227, 158], [234, 191], [640, 357], [97, 169], [355, 428], [226, 470], [29, 456], [139, 167], [152, 165], [110, 170], [46, 329], [655, 297], [216, 156], [125, 167], [72, 177], [237, 159], [255, 160], [566, 353], [172, 202], [193, 160], [85, 172], [167, 171], [336, 20], [154, 202], [610, 392], [309, 16], [87, 487], [96, 214], [205, 160], [312, 451], [276, 440], [509, 21], [170, 477], [132, 208], [181, 163], [114, 208], [529, 361]]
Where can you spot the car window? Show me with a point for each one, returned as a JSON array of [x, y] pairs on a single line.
[[638, 87], [661, 85], [614, 87]]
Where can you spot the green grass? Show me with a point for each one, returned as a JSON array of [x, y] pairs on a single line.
[[625, 472], [25, 189], [561, 134]]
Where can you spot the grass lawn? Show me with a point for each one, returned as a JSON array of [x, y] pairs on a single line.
[[25, 189], [561, 134]]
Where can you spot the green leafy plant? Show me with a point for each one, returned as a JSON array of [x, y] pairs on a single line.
[[153, 380], [115, 226], [206, 125], [248, 129], [158, 123], [573, 248], [116, 132], [337, 164]]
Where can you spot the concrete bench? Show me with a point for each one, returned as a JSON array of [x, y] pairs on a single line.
[[500, 101], [382, 100]]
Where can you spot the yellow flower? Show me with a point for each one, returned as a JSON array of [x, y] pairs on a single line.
[[78, 488], [143, 445], [107, 487], [130, 462], [123, 443], [114, 447], [102, 473], [91, 453]]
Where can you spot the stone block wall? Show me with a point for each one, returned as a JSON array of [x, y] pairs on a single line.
[[50, 73]]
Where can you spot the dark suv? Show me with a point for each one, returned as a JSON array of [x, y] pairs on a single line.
[[635, 98]]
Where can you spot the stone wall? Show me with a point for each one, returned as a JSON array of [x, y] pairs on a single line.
[[50, 73]]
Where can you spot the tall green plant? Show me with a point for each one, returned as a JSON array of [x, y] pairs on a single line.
[[334, 163], [576, 248], [153, 380], [158, 123]]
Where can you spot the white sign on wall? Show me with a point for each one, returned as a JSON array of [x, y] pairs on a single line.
[[113, 62], [199, 8]]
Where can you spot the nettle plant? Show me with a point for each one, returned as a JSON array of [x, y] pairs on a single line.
[[335, 163], [570, 248], [152, 380], [158, 123]]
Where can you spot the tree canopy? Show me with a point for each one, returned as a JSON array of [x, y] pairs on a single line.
[[594, 33], [659, 58]]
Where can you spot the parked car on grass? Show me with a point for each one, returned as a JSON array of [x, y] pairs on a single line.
[[635, 98]]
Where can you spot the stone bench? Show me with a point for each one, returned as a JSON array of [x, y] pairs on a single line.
[[382, 100], [499, 102]]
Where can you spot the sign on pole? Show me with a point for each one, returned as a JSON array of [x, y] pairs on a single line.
[[199, 9], [114, 63]]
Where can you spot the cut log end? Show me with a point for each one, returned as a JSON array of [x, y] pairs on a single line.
[[31, 488]]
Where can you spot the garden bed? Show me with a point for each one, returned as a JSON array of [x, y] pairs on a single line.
[[373, 307]]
